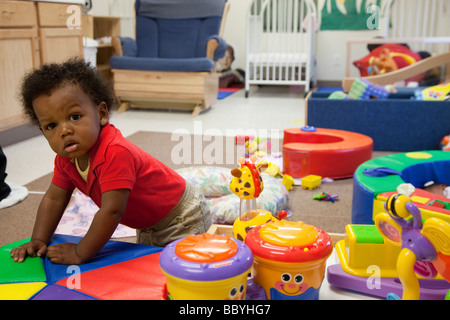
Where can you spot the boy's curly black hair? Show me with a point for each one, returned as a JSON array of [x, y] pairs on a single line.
[[52, 76]]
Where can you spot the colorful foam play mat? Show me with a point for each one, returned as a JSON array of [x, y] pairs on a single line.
[[225, 92], [120, 271]]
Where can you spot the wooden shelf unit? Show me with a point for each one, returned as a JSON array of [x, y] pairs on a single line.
[[97, 27]]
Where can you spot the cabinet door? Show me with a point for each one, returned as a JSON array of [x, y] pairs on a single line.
[[17, 14], [58, 44], [19, 53], [56, 14]]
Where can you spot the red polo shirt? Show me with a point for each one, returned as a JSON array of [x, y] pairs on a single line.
[[116, 163]]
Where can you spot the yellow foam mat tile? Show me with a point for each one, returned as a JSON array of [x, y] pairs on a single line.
[[20, 291]]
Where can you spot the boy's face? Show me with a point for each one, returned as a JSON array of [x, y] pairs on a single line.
[[227, 60], [70, 120]]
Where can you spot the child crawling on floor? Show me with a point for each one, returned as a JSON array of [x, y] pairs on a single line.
[[70, 103], [438, 188]]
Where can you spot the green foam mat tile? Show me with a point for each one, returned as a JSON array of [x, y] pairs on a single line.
[[31, 270]]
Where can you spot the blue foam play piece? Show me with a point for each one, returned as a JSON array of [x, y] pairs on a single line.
[[394, 124], [224, 94], [113, 252]]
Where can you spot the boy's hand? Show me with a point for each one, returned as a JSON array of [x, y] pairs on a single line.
[[33, 248], [64, 253]]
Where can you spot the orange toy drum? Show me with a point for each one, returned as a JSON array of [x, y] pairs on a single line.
[[206, 267], [289, 259], [324, 152]]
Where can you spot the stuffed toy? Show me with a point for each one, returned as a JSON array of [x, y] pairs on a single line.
[[387, 58]]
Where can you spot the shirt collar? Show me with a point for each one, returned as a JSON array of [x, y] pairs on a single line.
[[98, 151]]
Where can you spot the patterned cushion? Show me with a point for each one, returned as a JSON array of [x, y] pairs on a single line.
[[224, 205]]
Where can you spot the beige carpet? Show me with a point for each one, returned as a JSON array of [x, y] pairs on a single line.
[[17, 221]]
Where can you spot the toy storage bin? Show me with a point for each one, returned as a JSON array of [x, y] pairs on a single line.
[[90, 48], [397, 123]]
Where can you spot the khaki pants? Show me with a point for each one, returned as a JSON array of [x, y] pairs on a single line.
[[190, 216]]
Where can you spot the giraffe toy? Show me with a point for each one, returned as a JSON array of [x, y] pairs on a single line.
[[247, 184]]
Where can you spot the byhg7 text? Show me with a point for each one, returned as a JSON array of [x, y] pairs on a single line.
[[233, 309]]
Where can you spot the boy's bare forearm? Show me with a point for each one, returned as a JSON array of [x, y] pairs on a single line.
[[103, 226], [104, 223], [49, 213]]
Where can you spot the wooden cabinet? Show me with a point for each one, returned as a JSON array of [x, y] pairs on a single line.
[[52, 14], [58, 42], [19, 52], [31, 33], [16, 14]]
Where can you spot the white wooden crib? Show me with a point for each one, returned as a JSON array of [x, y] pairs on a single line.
[[280, 43]]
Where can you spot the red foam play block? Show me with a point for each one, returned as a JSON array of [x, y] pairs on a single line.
[[324, 152], [136, 279]]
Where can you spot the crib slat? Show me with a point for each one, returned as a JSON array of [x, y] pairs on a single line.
[[401, 18], [410, 13], [431, 26], [279, 39], [295, 29], [438, 24], [418, 20], [425, 21], [395, 17], [273, 8]]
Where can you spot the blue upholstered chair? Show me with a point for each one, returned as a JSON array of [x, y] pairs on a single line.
[[171, 62]]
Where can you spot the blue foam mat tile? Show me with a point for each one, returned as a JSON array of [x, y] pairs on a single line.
[[113, 252]]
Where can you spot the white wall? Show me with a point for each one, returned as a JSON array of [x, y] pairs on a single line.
[[330, 51], [332, 69], [331, 45], [235, 30]]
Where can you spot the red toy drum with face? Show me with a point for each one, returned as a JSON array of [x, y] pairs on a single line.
[[289, 259]]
